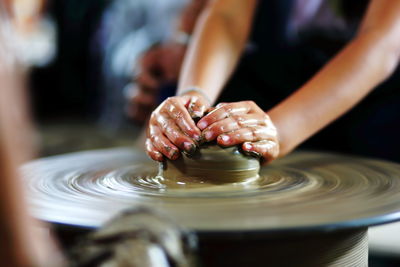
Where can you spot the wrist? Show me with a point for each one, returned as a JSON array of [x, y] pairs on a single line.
[[195, 91], [283, 149]]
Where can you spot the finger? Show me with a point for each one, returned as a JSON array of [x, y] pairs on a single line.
[[232, 123], [176, 110], [221, 104], [139, 106], [148, 82], [248, 134], [152, 151], [150, 58], [140, 113], [268, 150], [175, 134], [210, 109], [161, 143], [197, 106], [225, 111], [143, 99], [137, 113]]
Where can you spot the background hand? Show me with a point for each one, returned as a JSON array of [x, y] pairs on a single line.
[[160, 65]]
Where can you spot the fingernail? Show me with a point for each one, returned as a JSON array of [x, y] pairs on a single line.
[[159, 156], [194, 115], [208, 135], [202, 140], [202, 125], [247, 146], [197, 137], [189, 148], [197, 114], [224, 138], [253, 154], [174, 155]]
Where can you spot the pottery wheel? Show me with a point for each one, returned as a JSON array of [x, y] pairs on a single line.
[[301, 191]]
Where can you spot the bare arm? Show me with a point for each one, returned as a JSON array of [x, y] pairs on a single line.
[[366, 61], [190, 15], [219, 38], [161, 64], [218, 41]]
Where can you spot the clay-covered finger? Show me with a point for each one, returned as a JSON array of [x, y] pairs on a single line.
[[223, 112], [175, 134], [221, 104], [210, 109], [152, 151], [268, 150], [161, 143], [232, 123], [248, 134], [197, 107], [178, 112]]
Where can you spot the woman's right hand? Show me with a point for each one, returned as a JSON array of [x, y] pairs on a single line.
[[171, 126]]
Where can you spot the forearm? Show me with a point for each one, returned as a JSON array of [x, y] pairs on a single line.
[[344, 81], [215, 50], [189, 15]]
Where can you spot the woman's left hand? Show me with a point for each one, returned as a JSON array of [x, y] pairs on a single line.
[[242, 123]]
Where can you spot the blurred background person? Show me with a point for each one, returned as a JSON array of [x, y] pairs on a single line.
[[143, 43]]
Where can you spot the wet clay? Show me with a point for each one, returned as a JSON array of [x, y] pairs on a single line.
[[212, 164]]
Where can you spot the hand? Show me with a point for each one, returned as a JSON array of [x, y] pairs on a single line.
[[171, 127], [159, 65], [242, 123], [140, 102]]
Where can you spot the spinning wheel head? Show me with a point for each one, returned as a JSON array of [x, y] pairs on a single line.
[[302, 190]]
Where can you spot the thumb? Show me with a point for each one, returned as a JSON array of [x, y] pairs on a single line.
[[197, 107]]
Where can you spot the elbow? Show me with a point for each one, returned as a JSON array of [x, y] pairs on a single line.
[[383, 49], [390, 61], [391, 56]]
